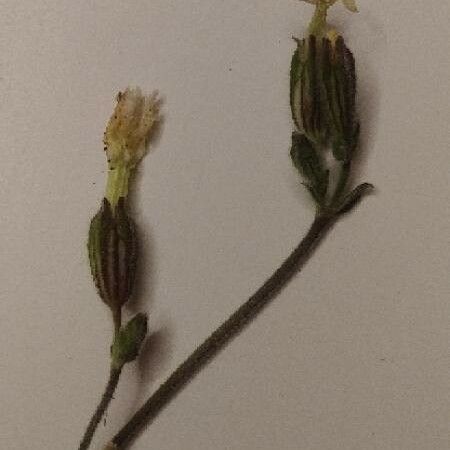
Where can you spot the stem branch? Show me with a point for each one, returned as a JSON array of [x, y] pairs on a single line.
[[114, 376], [225, 332]]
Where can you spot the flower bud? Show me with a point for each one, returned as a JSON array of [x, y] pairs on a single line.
[[112, 254], [323, 86]]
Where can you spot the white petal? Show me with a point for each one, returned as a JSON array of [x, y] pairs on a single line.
[[350, 5]]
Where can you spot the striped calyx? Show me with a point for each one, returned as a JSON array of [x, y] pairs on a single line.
[[323, 94], [112, 254], [306, 90], [339, 81], [323, 91]]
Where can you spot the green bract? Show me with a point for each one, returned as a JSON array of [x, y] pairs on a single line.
[[309, 163], [128, 341]]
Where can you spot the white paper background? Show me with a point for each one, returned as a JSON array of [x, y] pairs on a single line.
[[355, 352]]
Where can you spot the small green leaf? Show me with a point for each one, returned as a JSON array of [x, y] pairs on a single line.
[[128, 341], [318, 192], [308, 162], [340, 150]]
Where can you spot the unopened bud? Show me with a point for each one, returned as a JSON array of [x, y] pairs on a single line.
[[323, 86], [323, 92]]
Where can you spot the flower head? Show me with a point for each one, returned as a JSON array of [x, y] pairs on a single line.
[[126, 138], [129, 127], [323, 93]]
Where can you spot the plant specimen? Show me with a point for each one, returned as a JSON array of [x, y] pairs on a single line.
[[324, 143], [112, 242]]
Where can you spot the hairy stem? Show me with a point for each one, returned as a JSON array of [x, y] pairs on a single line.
[[114, 376], [225, 332]]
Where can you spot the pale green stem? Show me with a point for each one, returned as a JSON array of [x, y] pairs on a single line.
[[114, 376], [318, 23], [117, 184]]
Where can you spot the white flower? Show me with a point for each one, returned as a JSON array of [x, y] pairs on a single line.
[[349, 4], [129, 127]]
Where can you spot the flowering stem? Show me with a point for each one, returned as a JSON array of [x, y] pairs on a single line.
[[114, 376], [232, 326]]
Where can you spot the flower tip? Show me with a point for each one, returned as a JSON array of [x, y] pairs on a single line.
[[130, 126]]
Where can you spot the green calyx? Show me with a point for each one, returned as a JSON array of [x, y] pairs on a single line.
[[323, 91], [128, 341], [339, 83], [112, 249]]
